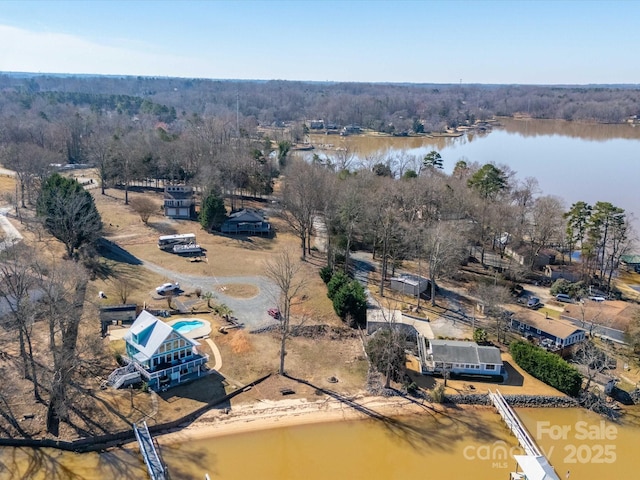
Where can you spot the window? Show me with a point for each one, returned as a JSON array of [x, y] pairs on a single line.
[[491, 367]]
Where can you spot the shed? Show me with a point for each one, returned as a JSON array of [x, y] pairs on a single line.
[[410, 284], [117, 315]]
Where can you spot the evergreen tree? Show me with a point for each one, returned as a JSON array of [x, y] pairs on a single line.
[[69, 213], [213, 212]]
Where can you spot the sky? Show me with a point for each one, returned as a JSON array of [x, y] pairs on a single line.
[[489, 42]]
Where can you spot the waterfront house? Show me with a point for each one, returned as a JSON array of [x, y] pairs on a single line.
[[179, 201], [457, 357], [549, 333], [158, 355]]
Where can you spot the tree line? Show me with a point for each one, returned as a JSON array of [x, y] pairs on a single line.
[[382, 107]]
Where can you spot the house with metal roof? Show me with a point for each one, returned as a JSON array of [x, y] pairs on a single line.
[[159, 355], [457, 357]]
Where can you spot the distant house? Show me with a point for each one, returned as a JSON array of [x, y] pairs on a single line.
[[316, 124], [409, 284], [246, 222], [550, 333], [522, 255], [158, 355], [459, 358], [568, 272], [350, 130], [179, 201], [630, 262]]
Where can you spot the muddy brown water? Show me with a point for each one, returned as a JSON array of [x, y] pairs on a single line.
[[460, 444]]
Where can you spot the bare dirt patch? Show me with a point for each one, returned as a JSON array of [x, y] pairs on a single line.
[[238, 290]]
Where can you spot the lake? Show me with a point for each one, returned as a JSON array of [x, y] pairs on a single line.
[[570, 160], [463, 443]]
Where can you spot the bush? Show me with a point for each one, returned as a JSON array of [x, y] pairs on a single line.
[[574, 290], [480, 336], [351, 301], [437, 394], [547, 367], [338, 280], [326, 273]]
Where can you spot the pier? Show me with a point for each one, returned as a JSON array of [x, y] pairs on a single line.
[[534, 464], [155, 465]]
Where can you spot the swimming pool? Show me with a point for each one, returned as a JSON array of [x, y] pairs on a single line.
[[185, 326]]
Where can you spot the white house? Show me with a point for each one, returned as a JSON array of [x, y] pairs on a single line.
[[179, 201], [459, 358]]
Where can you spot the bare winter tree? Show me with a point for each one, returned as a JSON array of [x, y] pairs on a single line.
[[300, 201], [492, 298], [386, 346], [19, 292], [284, 270], [64, 289], [445, 245], [144, 207]]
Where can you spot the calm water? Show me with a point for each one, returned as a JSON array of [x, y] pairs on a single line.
[[572, 161], [458, 445]]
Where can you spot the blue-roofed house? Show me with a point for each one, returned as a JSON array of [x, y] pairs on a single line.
[[160, 355]]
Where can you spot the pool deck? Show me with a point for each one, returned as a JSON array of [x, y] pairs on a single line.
[[196, 333]]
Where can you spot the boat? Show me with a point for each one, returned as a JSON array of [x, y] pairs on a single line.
[[188, 248]]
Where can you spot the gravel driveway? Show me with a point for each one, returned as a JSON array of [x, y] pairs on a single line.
[[250, 311]]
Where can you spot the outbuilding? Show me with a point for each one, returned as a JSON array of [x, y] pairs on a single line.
[[409, 284]]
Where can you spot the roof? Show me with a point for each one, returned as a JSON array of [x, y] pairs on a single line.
[[536, 468], [151, 332], [456, 351], [409, 279], [245, 216], [178, 195], [557, 328], [630, 259]]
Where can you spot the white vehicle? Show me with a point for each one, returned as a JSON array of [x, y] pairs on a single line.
[[167, 242], [167, 288], [597, 299]]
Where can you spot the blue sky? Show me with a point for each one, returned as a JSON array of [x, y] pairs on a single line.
[[532, 42]]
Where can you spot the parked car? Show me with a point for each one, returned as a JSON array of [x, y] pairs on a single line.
[[597, 298], [534, 302], [274, 312], [167, 288], [563, 297]]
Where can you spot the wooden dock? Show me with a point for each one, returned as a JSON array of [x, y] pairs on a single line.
[[155, 465], [534, 464]]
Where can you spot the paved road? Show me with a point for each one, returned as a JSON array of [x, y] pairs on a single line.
[[12, 234], [250, 311]]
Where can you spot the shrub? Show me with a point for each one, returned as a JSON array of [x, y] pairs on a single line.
[[437, 394], [480, 336], [351, 301], [338, 280], [326, 273], [547, 367]]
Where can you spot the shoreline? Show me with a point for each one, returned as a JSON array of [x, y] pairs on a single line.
[[268, 414]]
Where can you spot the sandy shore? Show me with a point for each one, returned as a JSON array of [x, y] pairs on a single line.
[[268, 414]]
